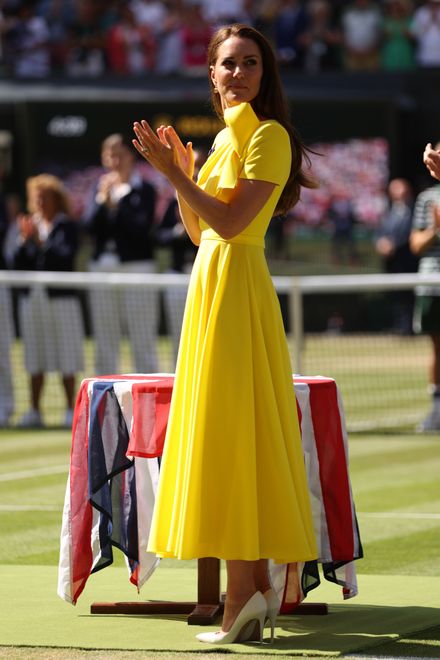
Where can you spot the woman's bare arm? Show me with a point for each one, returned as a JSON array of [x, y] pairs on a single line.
[[227, 219]]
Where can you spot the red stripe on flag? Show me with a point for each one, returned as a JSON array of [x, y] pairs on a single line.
[[333, 469], [81, 510]]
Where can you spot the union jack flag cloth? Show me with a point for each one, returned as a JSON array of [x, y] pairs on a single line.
[[117, 440]]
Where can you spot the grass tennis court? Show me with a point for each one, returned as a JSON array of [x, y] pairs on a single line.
[[396, 491], [382, 378]]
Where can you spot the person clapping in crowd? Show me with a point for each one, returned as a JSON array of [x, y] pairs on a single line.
[[50, 320], [120, 220], [425, 242]]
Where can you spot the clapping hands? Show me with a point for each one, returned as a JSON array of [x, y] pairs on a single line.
[[164, 149], [431, 158]]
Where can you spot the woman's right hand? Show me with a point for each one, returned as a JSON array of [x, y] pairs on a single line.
[[185, 155], [105, 184], [26, 226]]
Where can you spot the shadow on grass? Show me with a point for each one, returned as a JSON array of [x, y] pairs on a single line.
[[353, 629]]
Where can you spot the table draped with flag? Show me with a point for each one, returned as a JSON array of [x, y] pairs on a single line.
[[118, 436]]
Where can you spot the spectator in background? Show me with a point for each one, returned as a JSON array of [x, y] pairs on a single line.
[[392, 244], [59, 14], [26, 42], [342, 219], [149, 12], [361, 34], [85, 54], [196, 34], [397, 40], [120, 220], [264, 16], [6, 327], [425, 243], [50, 321], [169, 41], [321, 39], [164, 21], [130, 47], [221, 12], [425, 28], [290, 24]]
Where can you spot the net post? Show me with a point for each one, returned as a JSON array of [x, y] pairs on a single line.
[[296, 322]]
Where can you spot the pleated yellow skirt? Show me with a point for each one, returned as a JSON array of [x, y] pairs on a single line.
[[233, 483]]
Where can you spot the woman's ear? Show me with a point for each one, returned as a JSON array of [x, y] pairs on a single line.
[[213, 80]]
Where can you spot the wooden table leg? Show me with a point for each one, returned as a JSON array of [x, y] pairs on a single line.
[[209, 604], [203, 612]]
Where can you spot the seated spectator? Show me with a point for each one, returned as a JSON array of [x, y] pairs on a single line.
[[26, 42], [169, 40], [130, 47], [196, 34], [59, 14], [86, 40], [361, 34], [263, 17], [152, 13], [163, 19], [290, 23], [321, 39], [222, 12], [50, 321], [425, 27], [397, 40]]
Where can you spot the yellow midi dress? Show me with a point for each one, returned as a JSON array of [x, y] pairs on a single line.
[[233, 481]]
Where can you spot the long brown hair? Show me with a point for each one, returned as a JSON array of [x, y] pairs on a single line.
[[269, 103]]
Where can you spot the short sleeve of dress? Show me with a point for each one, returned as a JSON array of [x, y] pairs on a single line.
[[268, 157]]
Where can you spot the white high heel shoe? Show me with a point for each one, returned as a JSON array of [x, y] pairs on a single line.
[[254, 611], [273, 607]]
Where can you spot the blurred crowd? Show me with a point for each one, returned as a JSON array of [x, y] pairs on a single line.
[[89, 38]]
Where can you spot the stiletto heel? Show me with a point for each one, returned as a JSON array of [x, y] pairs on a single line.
[[253, 612], [273, 607]]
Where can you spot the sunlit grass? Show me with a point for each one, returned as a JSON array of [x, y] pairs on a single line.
[[382, 378]]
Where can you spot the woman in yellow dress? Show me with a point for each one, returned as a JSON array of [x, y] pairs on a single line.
[[233, 482]]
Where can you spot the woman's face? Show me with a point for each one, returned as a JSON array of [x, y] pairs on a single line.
[[45, 202], [237, 71]]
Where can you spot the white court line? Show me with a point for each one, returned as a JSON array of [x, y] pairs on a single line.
[[36, 472], [400, 514], [29, 507]]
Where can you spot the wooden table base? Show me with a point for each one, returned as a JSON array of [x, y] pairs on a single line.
[[205, 611]]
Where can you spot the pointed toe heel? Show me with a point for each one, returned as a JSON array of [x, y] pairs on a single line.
[[253, 613]]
